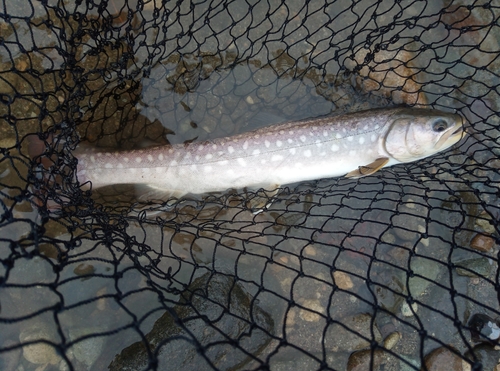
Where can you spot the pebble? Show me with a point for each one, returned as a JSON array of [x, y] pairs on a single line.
[[483, 222], [361, 360], [474, 267], [482, 243], [391, 340], [39, 353], [84, 269], [308, 315], [342, 280], [407, 311], [354, 335], [443, 359], [426, 268]]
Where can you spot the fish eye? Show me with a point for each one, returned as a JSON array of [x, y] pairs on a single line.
[[439, 125]]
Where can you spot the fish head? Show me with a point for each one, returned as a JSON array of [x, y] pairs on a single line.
[[418, 133]]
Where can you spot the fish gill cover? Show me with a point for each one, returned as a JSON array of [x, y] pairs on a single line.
[[394, 271]]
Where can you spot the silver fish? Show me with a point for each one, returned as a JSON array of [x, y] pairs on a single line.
[[353, 145]]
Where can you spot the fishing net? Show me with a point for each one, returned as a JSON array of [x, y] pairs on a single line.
[[394, 271]]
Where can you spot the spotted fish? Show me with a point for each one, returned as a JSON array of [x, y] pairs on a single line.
[[353, 145]]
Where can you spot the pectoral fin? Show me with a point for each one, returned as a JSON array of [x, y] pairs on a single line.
[[368, 169], [262, 199]]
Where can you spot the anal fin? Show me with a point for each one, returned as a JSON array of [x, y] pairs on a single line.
[[368, 169]]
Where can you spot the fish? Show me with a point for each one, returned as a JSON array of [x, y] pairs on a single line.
[[352, 145]]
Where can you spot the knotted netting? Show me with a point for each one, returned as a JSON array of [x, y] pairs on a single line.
[[394, 271]]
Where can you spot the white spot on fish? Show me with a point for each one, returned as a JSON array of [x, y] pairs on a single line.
[[322, 154], [99, 154], [350, 138], [376, 127], [361, 140], [290, 140], [160, 157], [230, 149], [279, 143], [119, 166], [282, 132], [335, 147], [208, 156], [214, 146], [256, 152], [256, 136], [307, 153], [302, 138], [125, 159], [276, 158], [365, 127], [92, 158], [138, 159], [173, 163], [325, 133], [200, 148], [292, 151], [171, 150], [193, 167], [245, 145], [207, 169], [318, 143], [373, 138], [230, 172], [197, 158], [241, 161], [150, 158], [338, 136], [263, 162], [352, 153], [267, 143], [108, 165], [290, 132]]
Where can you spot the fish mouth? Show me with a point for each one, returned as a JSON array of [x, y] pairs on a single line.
[[450, 138]]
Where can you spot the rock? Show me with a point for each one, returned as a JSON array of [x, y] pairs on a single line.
[[87, 351], [352, 334], [39, 353], [407, 311], [361, 360], [178, 334], [342, 280], [391, 340], [483, 328], [427, 268], [484, 222], [486, 355], [442, 359], [482, 243], [474, 267]]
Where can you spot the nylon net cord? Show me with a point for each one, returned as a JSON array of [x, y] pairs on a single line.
[[394, 271]]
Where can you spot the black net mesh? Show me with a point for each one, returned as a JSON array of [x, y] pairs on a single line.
[[395, 271]]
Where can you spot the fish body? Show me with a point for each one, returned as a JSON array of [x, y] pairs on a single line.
[[355, 145]]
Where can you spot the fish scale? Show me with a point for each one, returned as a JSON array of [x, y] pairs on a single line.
[[355, 144]]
